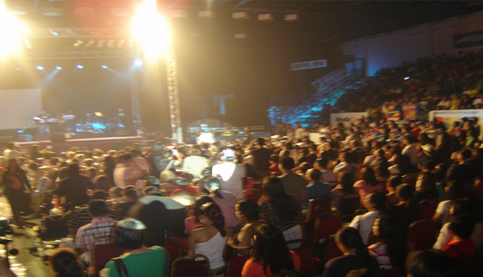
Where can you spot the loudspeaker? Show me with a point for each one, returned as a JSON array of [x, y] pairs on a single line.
[[57, 137], [6, 139]]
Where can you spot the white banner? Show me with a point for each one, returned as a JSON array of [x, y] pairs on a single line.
[[448, 117], [346, 118], [308, 65], [18, 106]]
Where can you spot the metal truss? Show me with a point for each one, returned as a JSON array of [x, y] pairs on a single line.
[[173, 94], [58, 55], [80, 33], [136, 77]]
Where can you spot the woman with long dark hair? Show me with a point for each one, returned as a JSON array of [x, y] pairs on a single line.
[[210, 240], [391, 249], [14, 183], [344, 187], [281, 210], [271, 254], [355, 256], [247, 211]]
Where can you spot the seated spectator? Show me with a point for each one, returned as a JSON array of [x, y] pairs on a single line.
[[431, 263], [408, 206], [271, 255], [280, 209], [410, 148], [315, 188], [347, 164], [64, 262], [467, 207], [224, 199], [367, 183], [191, 222], [391, 248], [100, 226], [454, 191], [210, 240], [81, 216], [460, 228], [355, 255], [115, 198], [246, 211], [344, 187], [326, 175], [136, 260], [375, 202], [129, 198]]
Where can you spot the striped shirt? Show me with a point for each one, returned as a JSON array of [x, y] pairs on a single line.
[[378, 251]]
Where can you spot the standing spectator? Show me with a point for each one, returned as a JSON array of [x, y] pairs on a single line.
[[195, 163], [14, 182], [11, 153], [274, 169], [260, 157], [293, 184], [231, 173]]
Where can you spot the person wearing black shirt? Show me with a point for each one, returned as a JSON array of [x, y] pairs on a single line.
[[261, 158]]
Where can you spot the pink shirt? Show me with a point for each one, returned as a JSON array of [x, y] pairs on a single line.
[[363, 188]]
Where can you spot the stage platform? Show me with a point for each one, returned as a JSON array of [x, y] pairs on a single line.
[[103, 143]]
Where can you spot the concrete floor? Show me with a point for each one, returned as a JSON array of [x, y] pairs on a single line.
[[23, 264]]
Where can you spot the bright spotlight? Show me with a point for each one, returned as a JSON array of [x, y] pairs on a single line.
[[146, 20], [11, 33], [138, 62], [58, 68], [80, 66], [104, 66], [40, 67]]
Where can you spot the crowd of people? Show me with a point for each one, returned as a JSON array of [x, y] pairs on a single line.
[[250, 198], [441, 83]]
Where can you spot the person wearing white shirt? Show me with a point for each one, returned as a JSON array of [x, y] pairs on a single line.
[[374, 203], [410, 150], [231, 173], [11, 153], [195, 163]]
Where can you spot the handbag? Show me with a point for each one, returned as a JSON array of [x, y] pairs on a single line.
[[121, 267]]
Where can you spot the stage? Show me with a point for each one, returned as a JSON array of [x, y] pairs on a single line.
[[103, 143]]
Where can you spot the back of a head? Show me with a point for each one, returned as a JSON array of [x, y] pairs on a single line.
[[73, 169], [378, 199], [288, 163], [273, 188], [322, 162], [65, 263], [249, 209], [130, 191], [116, 191], [271, 248], [212, 184], [213, 212], [432, 263], [97, 208], [406, 191], [130, 233], [314, 174], [462, 226], [99, 195], [351, 239], [167, 176], [261, 141]]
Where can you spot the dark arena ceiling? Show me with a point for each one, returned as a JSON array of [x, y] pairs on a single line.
[[319, 22]]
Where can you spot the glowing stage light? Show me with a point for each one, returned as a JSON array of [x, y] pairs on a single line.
[[58, 68], [147, 19], [138, 62], [104, 66], [40, 67], [11, 32], [80, 66]]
